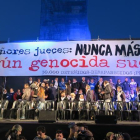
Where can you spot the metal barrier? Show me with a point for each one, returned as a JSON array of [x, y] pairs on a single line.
[[120, 109]]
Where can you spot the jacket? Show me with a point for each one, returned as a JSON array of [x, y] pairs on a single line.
[[26, 94], [107, 92]]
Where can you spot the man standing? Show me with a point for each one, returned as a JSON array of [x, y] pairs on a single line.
[[133, 86], [83, 85], [62, 85], [106, 95], [126, 85]]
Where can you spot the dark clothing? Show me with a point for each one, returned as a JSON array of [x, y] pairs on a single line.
[[68, 89], [119, 84], [62, 86], [107, 92], [9, 96], [74, 86], [83, 87], [126, 86], [53, 92], [98, 89], [48, 92], [17, 96]]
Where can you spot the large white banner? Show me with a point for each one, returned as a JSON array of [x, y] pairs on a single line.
[[71, 58]]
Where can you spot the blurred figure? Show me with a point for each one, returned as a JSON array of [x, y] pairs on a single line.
[[14, 133], [74, 85], [133, 86], [88, 81], [4, 94], [17, 95], [56, 83], [59, 135], [30, 81], [120, 94], [127, 96], [92, 84], [41, 134], [38, 82], [88, 96], [41, 94], [78, 94], [72, 97], [26, 93], [109, 136], [133, 96], [53, 92], [119, 83], [82, 85], [126, 85], [73, 131], [68, 87], [62, 85], [9, 97], [113, 96]]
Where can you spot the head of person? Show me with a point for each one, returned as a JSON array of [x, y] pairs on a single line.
[[132, 92], [43, 85], [17, 129], [62, 80], [110, 80], [109, 136], [132, 80], [72, 95], [41, 131], [74, 80], [81, 96], [30, 79], [105, 83], [63, 94], [56, 79], [59, 135], [101, 80], [119, 89], [26, 85], [87, 87], [18, 91], [118, 81], [80, 91], [38, 80], [92, 80], [74, 90], [88, 80], [127, 92], [47, 85], [126, 79], [69, 81], [5, 91], [11, 90], [83, 78], [51, 85]]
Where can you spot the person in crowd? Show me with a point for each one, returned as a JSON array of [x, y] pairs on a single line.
[[119, 83], [74, 85], [81, 98], [88, 81], [106, 95], [34, 90], [68, 87], [133, 86], [92, 84], [79, 93], [127, 96], [99, 88], [120, 94], [17, 95], [9, 97], [113, 96], [43, 85], [133, 96], [126, 85], [26, 92], [14, 133], [41, 93], [82, 85], [72, 97], [38, 82], [53, 92], [62, 85], [4, 94], [25, 97], [30, 81], [59, 135], [138, 94], [75, 91], [73, 130], [88, 96], [47, 91], [63, 96], [109, 136], [41, 134], [56, 83]]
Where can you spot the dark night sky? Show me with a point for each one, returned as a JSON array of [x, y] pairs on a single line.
[[110, 19]]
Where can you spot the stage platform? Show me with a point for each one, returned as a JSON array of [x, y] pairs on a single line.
[[99, 130]]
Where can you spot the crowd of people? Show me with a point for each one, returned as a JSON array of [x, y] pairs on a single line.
[[76, 132], [85, 90]]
